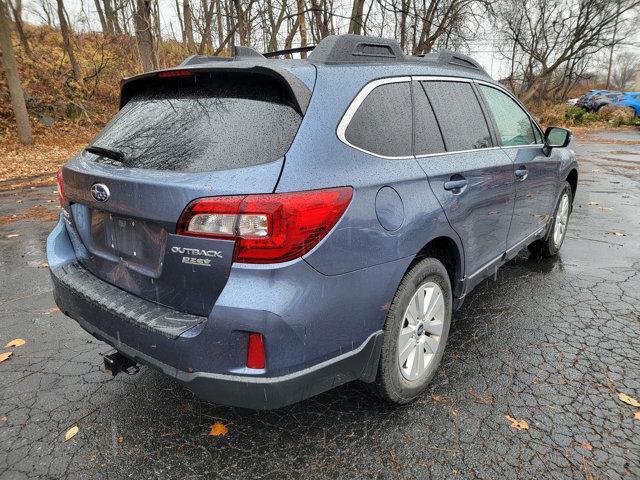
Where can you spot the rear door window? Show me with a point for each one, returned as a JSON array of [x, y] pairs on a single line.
[[382, 123], [512, 122], [205, 123], [459, 114], [427, 136]]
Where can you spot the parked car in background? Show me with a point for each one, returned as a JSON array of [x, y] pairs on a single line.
[[631, 100], [189, 244], [599, 100], [573, 101], [584, 99]]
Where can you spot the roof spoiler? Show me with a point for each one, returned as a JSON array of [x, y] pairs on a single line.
[[296, 89]]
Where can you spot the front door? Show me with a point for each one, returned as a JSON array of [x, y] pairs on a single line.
[[535, 173], [472, 179]]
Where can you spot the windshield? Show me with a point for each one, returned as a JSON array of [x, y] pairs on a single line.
[[202, 123]]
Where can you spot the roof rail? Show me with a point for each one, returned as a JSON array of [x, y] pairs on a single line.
[[445, 57], [239, 53], [356, 49], [286, 51]]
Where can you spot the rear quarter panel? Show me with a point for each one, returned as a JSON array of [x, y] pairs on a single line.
[[317, 159]]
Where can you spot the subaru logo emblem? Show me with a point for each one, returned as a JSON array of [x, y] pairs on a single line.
[[100, 192]]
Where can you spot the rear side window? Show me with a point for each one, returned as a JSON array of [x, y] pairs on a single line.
[[382, 123], [203, 123], [512, 122], [459, 114], [427, 136]]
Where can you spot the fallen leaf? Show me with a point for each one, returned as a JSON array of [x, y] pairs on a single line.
[[13, 235], [72, 432], [517, 424], [120, 439], [618, 234], [586, 446], [636, 415], [628, 400], [483, 400], [52, 310], [3, 418], [5, 356], [218, 430], [44, 265], [16, 342]]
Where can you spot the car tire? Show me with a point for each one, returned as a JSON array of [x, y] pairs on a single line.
[[401, 379], [550, 245]]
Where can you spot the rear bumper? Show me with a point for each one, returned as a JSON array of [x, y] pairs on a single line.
[[313, 342], [264, 393]]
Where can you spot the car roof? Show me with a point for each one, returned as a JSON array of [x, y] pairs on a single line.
[[358, 51], [372, 57]]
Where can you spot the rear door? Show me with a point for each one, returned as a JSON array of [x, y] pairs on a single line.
[[471, 178], [535, 173], [199, 135]]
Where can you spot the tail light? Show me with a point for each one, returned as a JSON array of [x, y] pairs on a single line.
[[267, 228], [255, 351], [61, 198]]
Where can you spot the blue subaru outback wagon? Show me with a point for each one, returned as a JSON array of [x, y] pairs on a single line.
[[263, 230]]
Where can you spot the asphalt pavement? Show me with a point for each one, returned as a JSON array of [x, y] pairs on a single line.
[[551, 343]]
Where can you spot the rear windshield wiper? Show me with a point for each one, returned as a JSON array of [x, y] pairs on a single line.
[[106, 152]]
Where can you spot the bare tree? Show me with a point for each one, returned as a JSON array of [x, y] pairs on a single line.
[[626, 67], [67, 41], [302, 24], [13, 79], [188, 26], [103, 20], [144, 35], [16, 10], [546, 37], [355, 22]]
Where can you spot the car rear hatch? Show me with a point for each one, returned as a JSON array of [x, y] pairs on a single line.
[[178, 137]]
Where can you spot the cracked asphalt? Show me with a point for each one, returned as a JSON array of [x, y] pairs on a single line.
[[552, 343]]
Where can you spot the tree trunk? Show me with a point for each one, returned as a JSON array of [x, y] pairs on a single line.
[[111, 18], [303, 27], [66, 41], [321, 25], [144, 35], [16, 9], [13, 79], [188, 26], [403, 23], [355, 24], [103, 21], [207, 40], [219, 24]]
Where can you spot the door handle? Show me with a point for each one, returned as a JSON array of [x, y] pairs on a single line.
[[455, 184], [521, 173]]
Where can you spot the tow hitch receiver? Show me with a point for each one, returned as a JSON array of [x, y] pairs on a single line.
[[115, 362]]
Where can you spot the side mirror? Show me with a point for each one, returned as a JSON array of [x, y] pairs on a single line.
[[556, 137]]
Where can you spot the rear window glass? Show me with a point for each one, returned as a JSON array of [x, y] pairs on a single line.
[[428, 139], [382, 123], [203, 123], [459, 114]]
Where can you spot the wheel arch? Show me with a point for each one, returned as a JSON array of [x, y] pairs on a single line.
[[572, 178], [446, 250]]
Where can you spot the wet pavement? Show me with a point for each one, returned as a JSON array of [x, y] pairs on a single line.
[[552, 343]]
